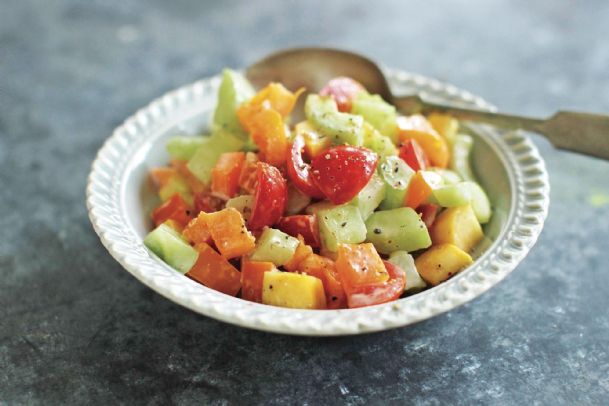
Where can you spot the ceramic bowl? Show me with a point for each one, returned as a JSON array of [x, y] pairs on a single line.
[[119, 200]]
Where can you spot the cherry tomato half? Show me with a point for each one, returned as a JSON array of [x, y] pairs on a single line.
[[341, 172], [412, 153], [299, 172], [302, 224], [270, 197], [377, 293]]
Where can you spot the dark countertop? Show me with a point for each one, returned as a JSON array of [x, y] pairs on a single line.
[[76, 328]]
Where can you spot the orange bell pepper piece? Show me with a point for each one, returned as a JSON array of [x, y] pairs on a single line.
[[420, 188], [197, 232], [229, 233], [225, 174], [174, 208], [214, 271], [418, 128], [325, 269], [252, 276], [270, 134], [161, 176], [360, 264], [302, 251], [249, 171]]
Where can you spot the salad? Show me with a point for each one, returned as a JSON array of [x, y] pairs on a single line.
[[354, 206]]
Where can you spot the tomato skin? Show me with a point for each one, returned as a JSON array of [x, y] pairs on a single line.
[[377, 293], [270, 197], [175, 208], [343, 90], [341, 172], [428, 212], [302, 224], [414, 156], [299, 172], [207, 203]]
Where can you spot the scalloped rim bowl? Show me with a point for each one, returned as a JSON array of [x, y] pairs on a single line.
[[508, 164]]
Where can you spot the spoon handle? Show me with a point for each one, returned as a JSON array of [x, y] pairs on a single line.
[[584, 133]]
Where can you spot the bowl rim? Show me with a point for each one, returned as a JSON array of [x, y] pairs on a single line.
[[105, 204]]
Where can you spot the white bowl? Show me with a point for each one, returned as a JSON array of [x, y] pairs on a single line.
[[119, 201]]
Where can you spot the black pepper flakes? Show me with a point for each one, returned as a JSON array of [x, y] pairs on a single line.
[[377, 231]]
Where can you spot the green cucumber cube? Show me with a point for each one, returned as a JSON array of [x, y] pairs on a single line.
[[169, 245], [183, 148], [369, 198], [243, 204], [203, 161], [397, 230], [377, 112], [451, 195], [234, 91], [405, 262], [448, 177], [274, 246], [396, 174], [480, 202], [340, 224], [381, 144], [342, 128], [459, 161]]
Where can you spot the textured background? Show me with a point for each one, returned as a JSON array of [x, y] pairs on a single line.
[[74, 327]]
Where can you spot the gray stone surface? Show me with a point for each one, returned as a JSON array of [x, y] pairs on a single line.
[[76, 328]]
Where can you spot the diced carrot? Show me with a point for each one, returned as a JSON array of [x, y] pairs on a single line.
[[418, 128], [214, 271], [174, 208], [229, 233], [225, 174], [197, 231], [252, 275]]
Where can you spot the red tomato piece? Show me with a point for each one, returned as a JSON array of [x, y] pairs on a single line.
[[377, 293], [174, 208], [428, 212], [302, 224], [270, 197], [412, 153], [299, 172], [343, 90], [207, 203], [341, 172]]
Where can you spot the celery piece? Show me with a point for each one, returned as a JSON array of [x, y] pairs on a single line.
[[397, 230], [274, 246], [169, 245], [342, 128], [340, 224]]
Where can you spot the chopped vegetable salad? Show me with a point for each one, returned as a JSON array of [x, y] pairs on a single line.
[[354, 206]]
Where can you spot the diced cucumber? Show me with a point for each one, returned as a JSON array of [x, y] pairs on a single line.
[[369, 198], [297, 201], [176, 184], [234, 91], [183, 148], [203, 161], [342, 128], [374, 140], [451, 195], [377, 112], [449, 177], [397, 229], [340, 224], [480, 202], [274, 246], [405, 262], [396, 175], [315, 208], [168, 245], [243, 204], [460, 157]]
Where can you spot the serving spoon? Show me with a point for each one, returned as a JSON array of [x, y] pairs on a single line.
[[312, 68]]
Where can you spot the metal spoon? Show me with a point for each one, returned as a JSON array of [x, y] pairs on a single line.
[[585, 133]]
